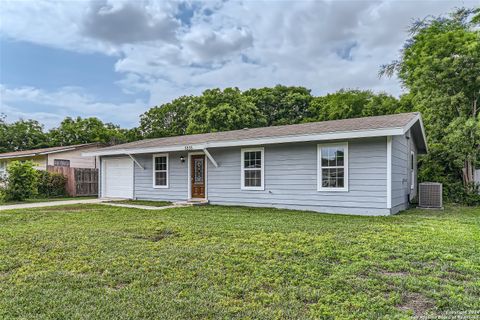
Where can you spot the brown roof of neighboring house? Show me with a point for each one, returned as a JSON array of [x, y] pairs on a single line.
[[396, 121], [42, 151]]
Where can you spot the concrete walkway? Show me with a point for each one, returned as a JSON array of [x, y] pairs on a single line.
[[138, 206], [50, 204]]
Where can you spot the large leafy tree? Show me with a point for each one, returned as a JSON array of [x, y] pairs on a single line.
[[281, 104], [85, 130], [346, 104], [218, 110], [21, 135], [169, 119], [440, 66]]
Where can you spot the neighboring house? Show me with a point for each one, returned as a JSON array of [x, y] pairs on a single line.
[[365, 166], [65, 156]]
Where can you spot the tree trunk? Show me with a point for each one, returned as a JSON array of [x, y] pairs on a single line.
[[468, 173]]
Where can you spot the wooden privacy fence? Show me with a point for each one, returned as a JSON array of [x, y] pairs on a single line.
[[80, 181]]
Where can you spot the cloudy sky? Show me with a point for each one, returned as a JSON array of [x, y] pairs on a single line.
[[115, 59]]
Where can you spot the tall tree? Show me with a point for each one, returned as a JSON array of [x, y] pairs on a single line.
[[440, 66], [79, 130], [218, 110], [281, 104], [169, 119], [345, 104], [21, 135]]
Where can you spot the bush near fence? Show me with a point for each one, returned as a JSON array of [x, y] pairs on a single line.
[[80, 181], [51, 184]]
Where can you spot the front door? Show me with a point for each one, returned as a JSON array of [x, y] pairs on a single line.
[[198, 176]]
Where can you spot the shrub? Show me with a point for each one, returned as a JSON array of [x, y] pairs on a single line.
[[22, 181], [51, 184], [3, 184]]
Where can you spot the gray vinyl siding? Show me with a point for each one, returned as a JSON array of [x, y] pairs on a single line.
[[291, 179], [177, 179], [401, 172]]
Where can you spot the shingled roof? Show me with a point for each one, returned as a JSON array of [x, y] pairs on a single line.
[[43, 151], [218, 139]]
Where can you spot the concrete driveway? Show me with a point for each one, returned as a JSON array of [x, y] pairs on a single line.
[[50, 204]]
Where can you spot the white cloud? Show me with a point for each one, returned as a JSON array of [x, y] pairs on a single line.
[[64, 102], [322, 45]]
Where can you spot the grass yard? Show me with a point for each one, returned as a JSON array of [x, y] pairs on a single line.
[[143, 203], [101, 262], [34, 200]]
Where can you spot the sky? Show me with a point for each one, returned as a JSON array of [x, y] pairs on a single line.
[[116, 59]]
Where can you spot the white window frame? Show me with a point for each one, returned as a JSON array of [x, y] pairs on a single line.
[[3, 167], [412, 170], [345, 167], [242, 168], [158, 155]]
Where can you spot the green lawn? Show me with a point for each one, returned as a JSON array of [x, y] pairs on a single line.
[[34, 200], [143, 203], [101, 262]]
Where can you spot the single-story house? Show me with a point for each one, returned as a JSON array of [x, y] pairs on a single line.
[[365, 166], [64, 156]]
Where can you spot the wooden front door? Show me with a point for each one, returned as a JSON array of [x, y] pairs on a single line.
[[197, 178]]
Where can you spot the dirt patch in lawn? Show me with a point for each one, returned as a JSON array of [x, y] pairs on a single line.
[[158, 235], [417, 303], [394, 273]]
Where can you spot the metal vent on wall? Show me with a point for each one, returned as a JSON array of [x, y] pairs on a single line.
[[430, 195]]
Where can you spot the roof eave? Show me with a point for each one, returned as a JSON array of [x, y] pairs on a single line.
[[353, 134]]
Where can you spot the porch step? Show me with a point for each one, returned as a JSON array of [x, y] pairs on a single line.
[[191, 202]]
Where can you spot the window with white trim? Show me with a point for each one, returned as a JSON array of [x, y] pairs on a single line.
[[333, 167], [160, 171], [3, 168], [412, 170], [253, 176]]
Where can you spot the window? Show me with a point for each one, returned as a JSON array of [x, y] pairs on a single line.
[[160, 171], [333, 167], [252, 169], [61, 163], [412, 170], [3, 168]]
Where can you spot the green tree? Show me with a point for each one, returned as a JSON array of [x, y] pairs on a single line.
[[78, 131], [345, 104], [21, 135], [169, 119], [22, 181], [218, 110], [281, 104], [440, 66]]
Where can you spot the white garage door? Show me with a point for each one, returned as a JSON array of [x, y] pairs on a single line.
[[118, 178]]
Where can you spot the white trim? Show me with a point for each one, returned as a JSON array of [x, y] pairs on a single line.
[[412, 169], [345, 167], [259, 141], [158, 155], [407, 127], [189, 178], [135, 160], [20, 156], [389, 172], [242, 168], [102, 178], [210, 157]]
